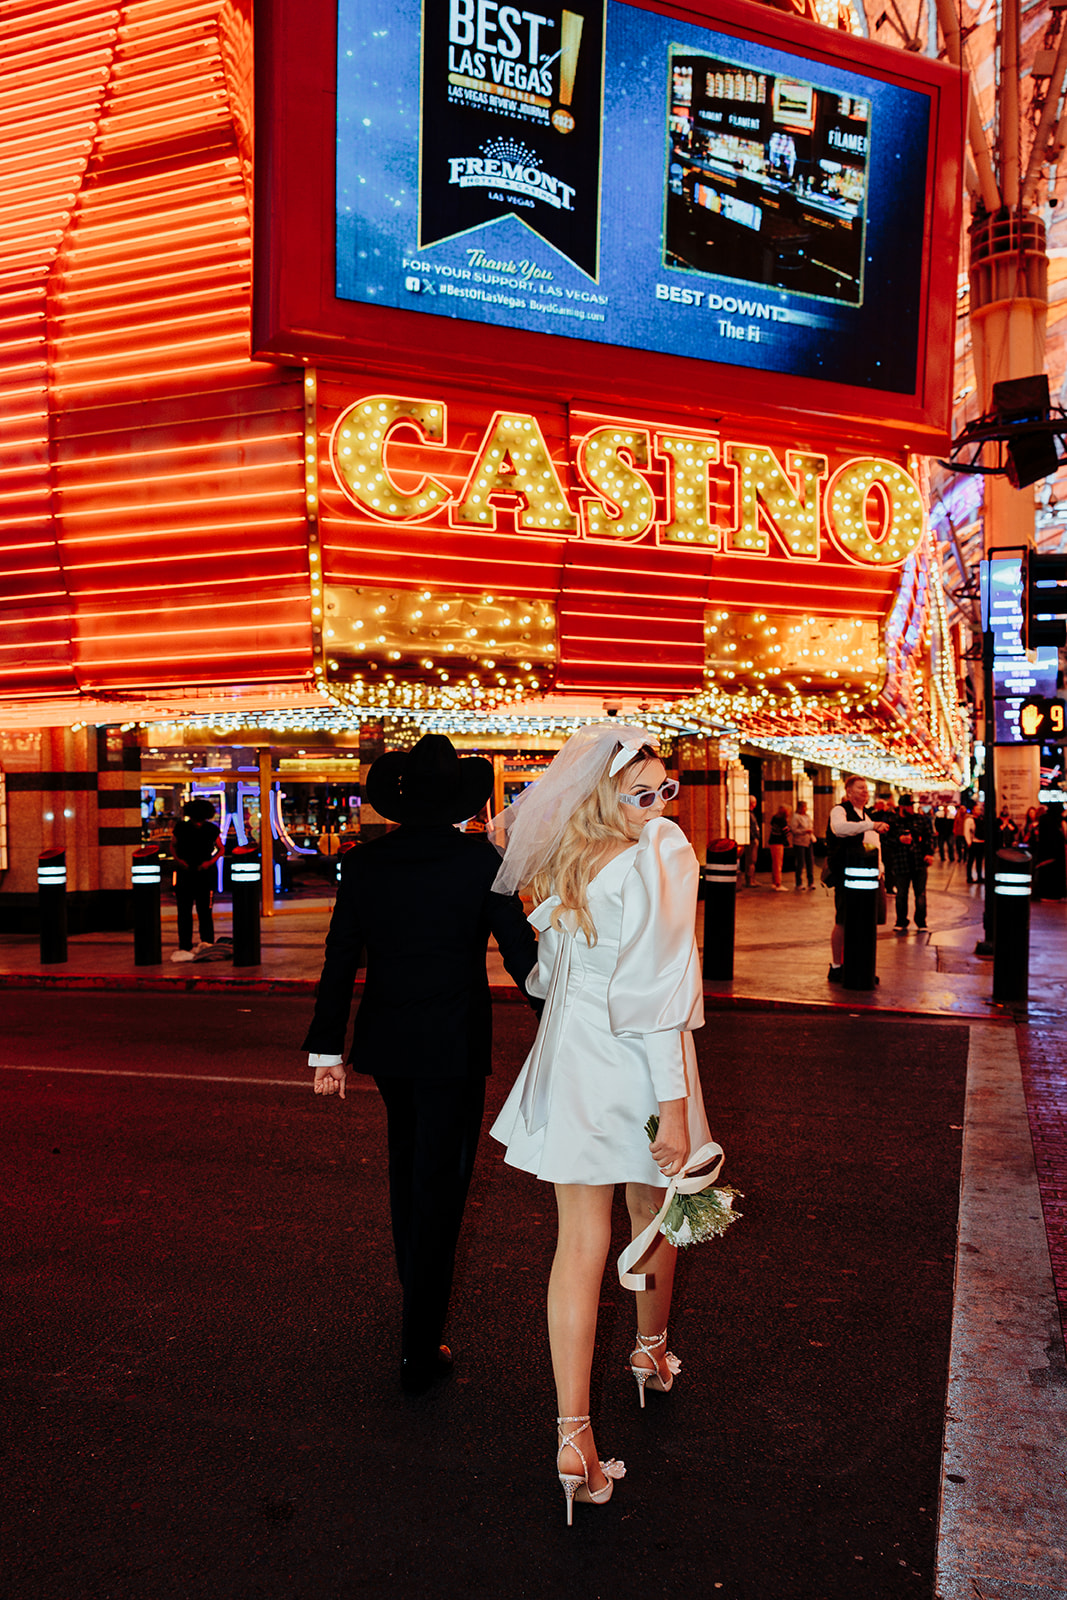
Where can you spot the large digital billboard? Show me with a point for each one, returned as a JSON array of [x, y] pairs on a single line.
[[761, 207]]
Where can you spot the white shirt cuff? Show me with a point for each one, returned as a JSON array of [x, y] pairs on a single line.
[[325, 1061]]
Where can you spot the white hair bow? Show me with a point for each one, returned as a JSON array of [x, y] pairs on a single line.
[[630, 748]]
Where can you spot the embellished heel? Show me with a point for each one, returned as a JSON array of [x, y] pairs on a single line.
[[649, 1377], [576, 1485]]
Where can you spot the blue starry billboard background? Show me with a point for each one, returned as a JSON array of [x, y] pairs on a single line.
[[543, 171]]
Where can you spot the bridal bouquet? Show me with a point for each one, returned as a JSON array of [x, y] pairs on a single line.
[[692, 1218]]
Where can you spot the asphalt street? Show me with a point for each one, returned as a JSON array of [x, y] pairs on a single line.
[[199, 1322]]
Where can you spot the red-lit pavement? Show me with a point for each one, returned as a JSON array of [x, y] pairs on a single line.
[[1043, 1055], [782, 951], [809, 1459]]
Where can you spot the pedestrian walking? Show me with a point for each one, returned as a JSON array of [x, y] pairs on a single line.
[[883, 812], [1007, 830], [909, 845], [1028, 830], [850, 823], [943, 819], [197, 847], [959, 832], [1050, 867], [802, 832], [615, 887], [420, 901], [974, 836], [778, 839]]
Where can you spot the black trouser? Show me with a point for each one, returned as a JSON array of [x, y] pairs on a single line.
[[804, 859], [194, 888], [433, 1139], [912, 874], [976, 861]]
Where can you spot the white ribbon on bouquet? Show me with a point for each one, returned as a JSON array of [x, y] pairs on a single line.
[[681, 1183]]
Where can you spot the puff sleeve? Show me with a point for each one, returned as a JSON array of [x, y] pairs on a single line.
[[657, 989]]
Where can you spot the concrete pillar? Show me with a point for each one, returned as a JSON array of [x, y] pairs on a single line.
[[80, 791], [701, 802], [266, 837], [825, 798], [1009, 303], [778, 788]]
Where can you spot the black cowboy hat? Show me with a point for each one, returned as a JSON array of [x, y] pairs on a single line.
[[429, 783]]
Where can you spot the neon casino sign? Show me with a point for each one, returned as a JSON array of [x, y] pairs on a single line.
[[868, 509]]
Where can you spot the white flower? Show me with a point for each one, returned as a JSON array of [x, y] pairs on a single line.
[[680, 1236]]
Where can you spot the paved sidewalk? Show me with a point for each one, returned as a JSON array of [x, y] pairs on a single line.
[[782, 955]]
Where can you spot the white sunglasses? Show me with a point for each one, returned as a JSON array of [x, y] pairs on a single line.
[[665, 792]]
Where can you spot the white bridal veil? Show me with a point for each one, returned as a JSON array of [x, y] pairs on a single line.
[[527, 831]]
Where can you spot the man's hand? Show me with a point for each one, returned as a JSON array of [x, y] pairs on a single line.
[[330, 1080]]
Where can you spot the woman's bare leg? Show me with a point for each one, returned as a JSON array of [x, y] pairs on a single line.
[[573, 1297], [653, 1305]]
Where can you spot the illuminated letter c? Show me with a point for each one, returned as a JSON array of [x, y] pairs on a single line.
[[357, 455]]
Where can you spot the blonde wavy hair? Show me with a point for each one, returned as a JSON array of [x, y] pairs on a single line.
[[580, 852]]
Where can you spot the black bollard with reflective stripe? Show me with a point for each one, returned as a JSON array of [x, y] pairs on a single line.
[[1012, 883], [147, 883], [861, 919], [246, 889], [350, 844], [52, 906], [720, 907]]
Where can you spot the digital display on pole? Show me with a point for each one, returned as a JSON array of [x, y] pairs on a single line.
[[628, 178], [1017, 677]]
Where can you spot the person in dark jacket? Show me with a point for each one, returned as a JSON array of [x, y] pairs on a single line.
[[1050, 864], [910, 848], [197, 847], [419, 901]]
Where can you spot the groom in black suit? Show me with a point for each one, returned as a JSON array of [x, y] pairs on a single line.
[[419, 901]]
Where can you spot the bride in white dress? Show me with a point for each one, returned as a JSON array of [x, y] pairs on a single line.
[[615, 886]]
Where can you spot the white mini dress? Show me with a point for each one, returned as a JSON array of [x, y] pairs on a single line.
[[615, 1037]]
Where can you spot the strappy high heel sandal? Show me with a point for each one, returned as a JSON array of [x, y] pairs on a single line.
[[576, 1486], [649, 1377]]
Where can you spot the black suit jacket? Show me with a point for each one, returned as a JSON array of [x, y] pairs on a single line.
[[420, 901]]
